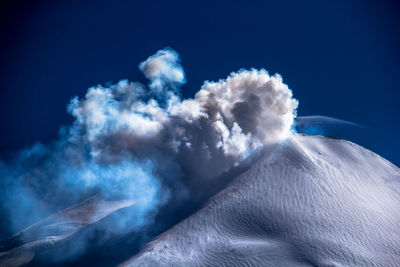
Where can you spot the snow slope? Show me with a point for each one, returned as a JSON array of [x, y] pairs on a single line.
[[313, 201], [50, 232]]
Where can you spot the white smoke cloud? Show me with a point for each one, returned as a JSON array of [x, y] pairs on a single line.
[[163, 69], [249, 109], [118, 108], [119, 129], [242, 113]]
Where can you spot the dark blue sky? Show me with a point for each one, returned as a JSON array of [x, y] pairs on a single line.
[[341, 58]]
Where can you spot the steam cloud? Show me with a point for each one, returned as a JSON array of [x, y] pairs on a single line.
[[149, 140]]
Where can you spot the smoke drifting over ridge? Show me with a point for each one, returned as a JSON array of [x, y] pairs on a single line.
[[146, 143]]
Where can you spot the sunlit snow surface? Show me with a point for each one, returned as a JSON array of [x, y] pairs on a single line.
[[312, 201]]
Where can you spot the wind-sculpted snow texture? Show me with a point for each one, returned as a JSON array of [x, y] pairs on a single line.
[[312, 201]]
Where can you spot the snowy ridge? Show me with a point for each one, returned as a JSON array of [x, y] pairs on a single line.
[[21, 248], [313, 201]]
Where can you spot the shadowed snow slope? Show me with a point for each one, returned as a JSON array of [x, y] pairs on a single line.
[[313, 201], [52, 231]]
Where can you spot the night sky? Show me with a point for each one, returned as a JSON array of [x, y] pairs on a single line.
[[341, 58]]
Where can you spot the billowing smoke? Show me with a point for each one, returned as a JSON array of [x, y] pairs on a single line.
[[147, 143], [164, 71]]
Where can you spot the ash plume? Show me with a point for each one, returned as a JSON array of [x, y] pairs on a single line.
[[144, 142]]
